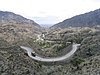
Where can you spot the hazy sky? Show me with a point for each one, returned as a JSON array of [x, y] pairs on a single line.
[[49, 11]]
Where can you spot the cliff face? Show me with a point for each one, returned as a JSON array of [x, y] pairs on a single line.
[[88, 19]]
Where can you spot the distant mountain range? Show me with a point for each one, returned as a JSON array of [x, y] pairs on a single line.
[[88, 19], [46, 25]]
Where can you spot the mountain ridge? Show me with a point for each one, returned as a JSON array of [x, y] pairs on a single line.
[[14, 27], [88, 19], [6, 16]]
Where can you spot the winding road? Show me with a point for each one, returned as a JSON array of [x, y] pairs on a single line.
[[34, 56]]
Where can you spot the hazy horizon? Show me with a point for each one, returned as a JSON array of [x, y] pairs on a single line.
[[49, 11]]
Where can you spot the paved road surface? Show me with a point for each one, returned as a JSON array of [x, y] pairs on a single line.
[[33, 55]]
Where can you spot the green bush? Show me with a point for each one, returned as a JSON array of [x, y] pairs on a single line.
[[77, 61]]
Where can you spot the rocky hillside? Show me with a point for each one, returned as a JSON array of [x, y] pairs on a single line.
[[14, 27], [86, 61], [88, 19], [10, 17], [15, 61]]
